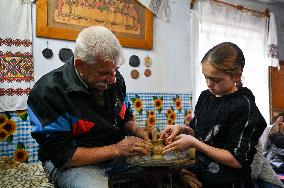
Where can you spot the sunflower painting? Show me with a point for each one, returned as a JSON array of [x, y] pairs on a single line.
[[171, 116], [188, 117], [151, 118], [160, 109], [137, 103], [3, 135], [158, 103], [22, 114], [3, 119], [21, 154], [7, 128], [178, 103]]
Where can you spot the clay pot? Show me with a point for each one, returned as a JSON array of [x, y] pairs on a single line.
[[157, 150]]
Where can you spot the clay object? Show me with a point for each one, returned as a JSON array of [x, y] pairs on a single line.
[[157, 149], [65, 54], [47, 53], [134, 74], [147, 61], [134, 61], [147, 72]]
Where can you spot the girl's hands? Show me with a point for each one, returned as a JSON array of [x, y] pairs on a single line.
[[170, 132], [181, 142]]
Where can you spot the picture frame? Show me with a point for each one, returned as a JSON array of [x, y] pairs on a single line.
[[130, 21]]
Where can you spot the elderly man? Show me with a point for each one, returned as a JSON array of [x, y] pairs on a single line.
[[80, 115]]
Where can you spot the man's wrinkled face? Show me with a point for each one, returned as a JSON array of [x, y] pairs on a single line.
[[98, 75]]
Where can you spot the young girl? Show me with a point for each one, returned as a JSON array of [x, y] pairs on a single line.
[[227, 123]]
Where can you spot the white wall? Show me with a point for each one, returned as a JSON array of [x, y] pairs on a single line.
[[170, 54], [171, 68]]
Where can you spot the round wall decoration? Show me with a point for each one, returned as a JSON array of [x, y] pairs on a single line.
[[134, 61], [147, 72], [65, 54], [134, 74], [47, 53]]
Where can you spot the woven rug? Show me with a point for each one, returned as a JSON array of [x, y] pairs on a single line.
[[16, 174], [16, 58]]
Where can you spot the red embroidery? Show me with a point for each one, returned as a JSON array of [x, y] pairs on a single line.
[[11, 91], [16, 67], [15, 42], [81, 127], [122, 111]]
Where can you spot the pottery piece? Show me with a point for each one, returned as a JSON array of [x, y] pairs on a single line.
[[157, 150]]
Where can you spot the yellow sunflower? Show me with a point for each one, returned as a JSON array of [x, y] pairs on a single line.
[[178, 103], [138, 104], [158, 103], [170, 122], [10, 126], [151, 113], [3, 134], [169, 112], [151, 120], [173, 116], [20, 155], [3, 119], [189, 112], [21, 112], [188, 118]]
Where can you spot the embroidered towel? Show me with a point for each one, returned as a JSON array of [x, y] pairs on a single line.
[[16, 58], [273, 58], [160, 8]]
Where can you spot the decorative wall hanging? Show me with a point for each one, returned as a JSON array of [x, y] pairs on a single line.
[[133, 25], [47, 53], [16, 57], [161, 8], [134, 74], [273, 48], [65, 54], [147, 61], [134, 61], [147, 72]]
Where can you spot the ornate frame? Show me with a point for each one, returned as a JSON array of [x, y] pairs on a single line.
[[47, 12]]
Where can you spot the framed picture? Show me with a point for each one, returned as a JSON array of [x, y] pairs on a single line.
[[130, 21]]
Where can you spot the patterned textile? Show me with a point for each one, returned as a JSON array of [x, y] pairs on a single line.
[[159, 109], [273, 56], [15, 174], [160, 8], [15, 137], [16, 58]]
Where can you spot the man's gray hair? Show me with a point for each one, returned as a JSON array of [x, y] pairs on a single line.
[[97, 41]]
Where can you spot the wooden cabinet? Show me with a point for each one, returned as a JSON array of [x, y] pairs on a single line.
[[276, 90]]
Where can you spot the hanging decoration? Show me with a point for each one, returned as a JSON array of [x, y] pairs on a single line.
[[134, 61], [16, 57], [161, 8], [47, 53], [65, 54], [134, 74], [273, 56], [147, 61]]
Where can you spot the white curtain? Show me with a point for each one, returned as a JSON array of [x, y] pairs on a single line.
[[214, 23]]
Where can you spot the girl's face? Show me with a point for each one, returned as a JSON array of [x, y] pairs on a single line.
[[219, 83]]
